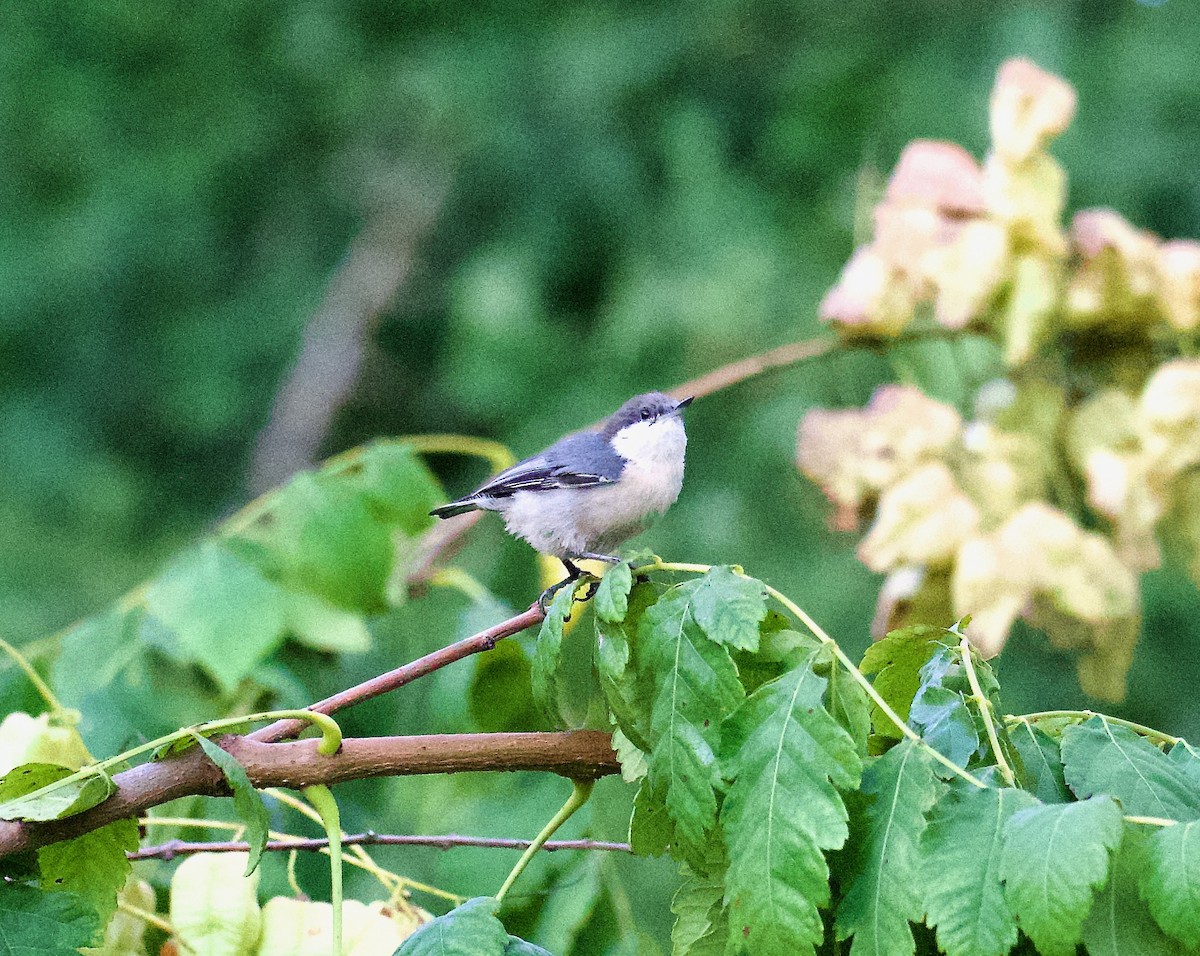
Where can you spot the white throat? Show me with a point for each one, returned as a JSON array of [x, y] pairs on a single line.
[[653, 444]]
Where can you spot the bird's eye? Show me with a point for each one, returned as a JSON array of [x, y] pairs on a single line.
[[645, 414]]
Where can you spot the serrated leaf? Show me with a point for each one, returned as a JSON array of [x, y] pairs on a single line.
[[1099, 757], [223, 614], [882, 882], [961, 852], [696, 687], [548, 655], [729, 608], [92, 866], [1120, 923], [701, 923], [1184, 756], [943, 720], [470, 929], [1054, 857], [34, 923], [214, 907], [650, 828], [625, 680], [43, 791], [846, 700], [612, 594], [632, 759], [896, 662], [1171, 882], [247, 802], [786, 756], [1041, 763]]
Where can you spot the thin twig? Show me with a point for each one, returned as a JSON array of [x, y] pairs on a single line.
[[985, 711], [393, 679], [173, 848], [739, 371]]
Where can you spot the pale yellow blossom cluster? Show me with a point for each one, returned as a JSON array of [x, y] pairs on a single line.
[[984, 246], [960, 517], [1082, 460]]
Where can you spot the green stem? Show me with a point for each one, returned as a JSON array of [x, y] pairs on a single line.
[[579, 796], [321, 797], [985, 709], [34, 677], [1079, 715], [819, 633]]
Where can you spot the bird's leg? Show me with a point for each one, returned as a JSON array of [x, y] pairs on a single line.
[[573, 574]]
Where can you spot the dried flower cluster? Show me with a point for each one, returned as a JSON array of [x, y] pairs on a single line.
[[987, 517]]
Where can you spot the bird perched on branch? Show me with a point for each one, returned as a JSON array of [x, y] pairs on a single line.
[[588, 492]]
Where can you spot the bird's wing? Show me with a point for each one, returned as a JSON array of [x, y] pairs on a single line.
[[578, 461]]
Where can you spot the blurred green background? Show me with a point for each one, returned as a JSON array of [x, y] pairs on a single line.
[[498, 219]]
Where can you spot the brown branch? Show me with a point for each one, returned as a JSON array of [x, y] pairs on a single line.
[[173, 848], [579, 755], [746, 368], [483, 641]]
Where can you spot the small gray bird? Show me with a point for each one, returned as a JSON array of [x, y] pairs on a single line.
[[588, 492]]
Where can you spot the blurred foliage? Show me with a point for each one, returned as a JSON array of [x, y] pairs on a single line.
[[636, 194]]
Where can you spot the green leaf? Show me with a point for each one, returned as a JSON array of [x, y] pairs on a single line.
[[945, 723], [961, 852], [316, 623], [631, 758], [1041, 763], [1099, 757], [729, 608], [519, 947], [92, 866], [224, 615], [896, 662], [612, 594], [1120, 923], [33, 923], [701, 923], [1054, 858], [500, 697], [1171, 883], [883, 877], [397, 485], [650, 828], [548, 655], [625, 680], [696, 687], [786, 756], [247, 802], [471, 929], [324, 537], [845, 699], [43, 791], [577, 892]]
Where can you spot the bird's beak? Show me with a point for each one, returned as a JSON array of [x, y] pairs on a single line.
[[683, 404]]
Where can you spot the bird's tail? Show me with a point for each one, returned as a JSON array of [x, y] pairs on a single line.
[[462, 506]]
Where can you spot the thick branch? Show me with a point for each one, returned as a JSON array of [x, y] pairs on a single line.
[[173, 848], [580, 754], [483, 641]]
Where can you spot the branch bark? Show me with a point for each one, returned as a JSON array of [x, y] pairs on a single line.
[[578, 755]]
